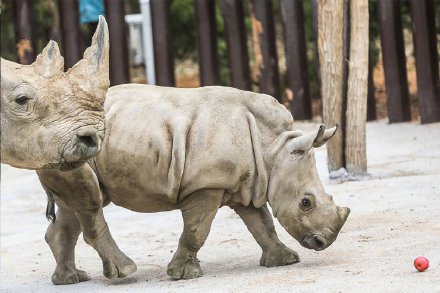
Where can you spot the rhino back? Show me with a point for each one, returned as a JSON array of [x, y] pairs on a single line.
[[162, 143]]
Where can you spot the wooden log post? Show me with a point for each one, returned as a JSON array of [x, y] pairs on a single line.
[[207, 42], [330, 48], [24, 37], [393, 55], [266, 57], [296, 59], [70, 33], [119, 69], [238, 57], [162, 39], [355, 139], [427, 66]]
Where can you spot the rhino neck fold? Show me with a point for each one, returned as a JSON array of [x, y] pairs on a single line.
[[259, 197]]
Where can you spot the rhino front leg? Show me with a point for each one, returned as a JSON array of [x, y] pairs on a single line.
[[198, 211], [260, 223], [79, 190], [61, 237]]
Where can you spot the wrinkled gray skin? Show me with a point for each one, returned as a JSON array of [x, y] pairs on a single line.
[[51, 118], [194, 150]]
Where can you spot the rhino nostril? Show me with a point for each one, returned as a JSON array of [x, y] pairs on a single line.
[[314, 242], [88, 141], [320, 242]]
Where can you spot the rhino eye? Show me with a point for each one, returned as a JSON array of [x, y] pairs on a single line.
[[21, 100], [306, 204], [297, 153]]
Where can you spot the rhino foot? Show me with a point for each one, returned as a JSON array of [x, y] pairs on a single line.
[[188, 268], [279, 256], [120, 269], [64, 276]]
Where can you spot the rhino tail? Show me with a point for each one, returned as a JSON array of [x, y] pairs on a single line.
[[50, 208]]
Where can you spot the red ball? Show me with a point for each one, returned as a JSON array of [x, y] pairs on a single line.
[[421, 263]]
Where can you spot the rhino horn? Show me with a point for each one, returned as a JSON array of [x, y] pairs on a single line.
[[50, 62], [92, 72], [315, 139], [343, 214], [324, 135]]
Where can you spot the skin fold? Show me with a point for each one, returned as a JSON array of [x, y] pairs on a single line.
[[195, 150]]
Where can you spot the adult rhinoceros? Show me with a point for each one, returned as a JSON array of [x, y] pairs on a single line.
[[194, 150], [51, 118]]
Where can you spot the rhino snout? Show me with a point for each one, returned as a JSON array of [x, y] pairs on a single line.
[[85, 144], [322, 239], [88, 143], [316, 242]]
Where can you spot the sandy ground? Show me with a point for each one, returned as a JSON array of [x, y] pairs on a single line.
[[395, 217]]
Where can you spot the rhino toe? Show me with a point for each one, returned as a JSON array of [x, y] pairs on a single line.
[[184, 269], [121, 269], [279, 256], [65, 276]]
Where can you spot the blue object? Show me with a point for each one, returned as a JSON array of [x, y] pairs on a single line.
[[90, 10]]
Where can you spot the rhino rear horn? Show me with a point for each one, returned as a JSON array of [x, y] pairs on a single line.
[[92, 72], [315, 139], [50, 62]]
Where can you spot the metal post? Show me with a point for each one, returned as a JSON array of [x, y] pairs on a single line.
[[427, 67], [69, 22], [162, 42], [23, 22], [119, 71], [269, 79], [147, 36], [394, 60], [233, 15], [207, 41], [296, 59]]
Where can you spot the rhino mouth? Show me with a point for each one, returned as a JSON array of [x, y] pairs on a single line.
[[64, 166], [315, 241]]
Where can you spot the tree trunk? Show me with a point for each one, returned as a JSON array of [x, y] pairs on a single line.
[[330, 48], [355, 143]]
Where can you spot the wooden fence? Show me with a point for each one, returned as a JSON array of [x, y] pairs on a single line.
[[389, 19]]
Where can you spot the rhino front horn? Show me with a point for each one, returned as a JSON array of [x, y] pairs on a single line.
[[343, 214], [92, 72]]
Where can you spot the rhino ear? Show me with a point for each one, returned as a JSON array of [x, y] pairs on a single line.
[[315, 139], [92, 72], [50, 62]]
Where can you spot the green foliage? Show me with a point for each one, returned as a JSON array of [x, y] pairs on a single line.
[[7, 31], [184, 35], [184, 30], [311, 50], [222, 47], [43, 16]]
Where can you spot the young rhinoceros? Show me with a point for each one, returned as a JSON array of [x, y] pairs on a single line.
[[51, 118], [194, 150]]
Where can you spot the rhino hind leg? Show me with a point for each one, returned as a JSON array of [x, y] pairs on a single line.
[[198, 212], [61, 237], [260, 223], [79, 191]]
